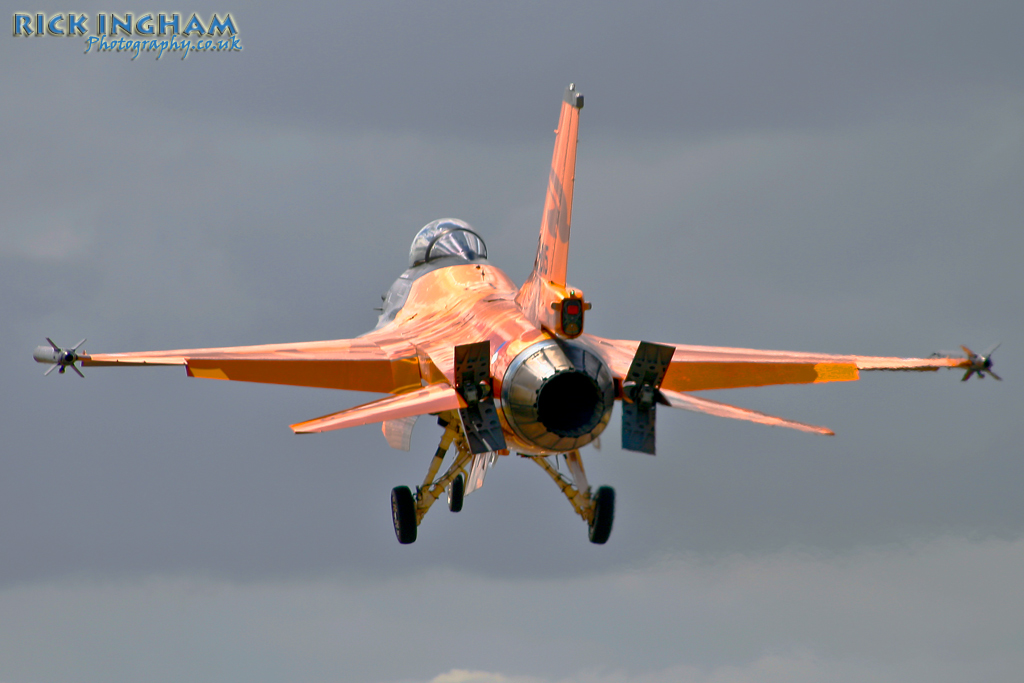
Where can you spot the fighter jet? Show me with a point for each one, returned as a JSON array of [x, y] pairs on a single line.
[[508, 369]]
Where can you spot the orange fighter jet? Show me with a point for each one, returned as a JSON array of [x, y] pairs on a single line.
[[506, 368]]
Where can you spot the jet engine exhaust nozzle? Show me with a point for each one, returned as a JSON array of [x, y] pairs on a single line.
[[558, 396]]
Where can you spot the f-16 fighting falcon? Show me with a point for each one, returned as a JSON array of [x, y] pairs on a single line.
[[506, 368]]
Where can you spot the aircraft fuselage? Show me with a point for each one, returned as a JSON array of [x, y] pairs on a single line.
[[553, 395]]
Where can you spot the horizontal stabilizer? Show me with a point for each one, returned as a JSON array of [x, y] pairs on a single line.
[[676, 399], [432, 399]]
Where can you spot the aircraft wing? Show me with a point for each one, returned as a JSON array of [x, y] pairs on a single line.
[[699, 368], [361, 364]]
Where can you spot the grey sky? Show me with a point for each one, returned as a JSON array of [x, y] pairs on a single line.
[[830, 177]]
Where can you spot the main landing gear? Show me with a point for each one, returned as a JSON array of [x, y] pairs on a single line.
[[408, 508], [604, 514], [403, 514], [596, 508]]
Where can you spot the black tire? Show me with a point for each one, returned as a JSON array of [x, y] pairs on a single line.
[[604, 515], [403, 514], [457, 493]]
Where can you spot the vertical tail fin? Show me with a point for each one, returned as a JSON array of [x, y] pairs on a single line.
[[553, 247]]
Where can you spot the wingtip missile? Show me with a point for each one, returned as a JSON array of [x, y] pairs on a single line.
[[58, 358], [980, 363]]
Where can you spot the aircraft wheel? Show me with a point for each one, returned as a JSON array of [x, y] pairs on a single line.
[[403, 514], [604, 514], [456, 493]]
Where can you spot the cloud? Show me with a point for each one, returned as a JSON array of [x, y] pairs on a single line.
[[844, 240], [839, 177], [930, 612], [466, 676]]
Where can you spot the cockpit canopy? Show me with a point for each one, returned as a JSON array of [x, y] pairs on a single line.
[[446, 237]]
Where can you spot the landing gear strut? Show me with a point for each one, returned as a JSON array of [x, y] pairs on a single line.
[[407, 508], [597, 509]]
